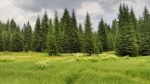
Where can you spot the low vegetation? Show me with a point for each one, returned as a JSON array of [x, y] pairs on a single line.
[[105, 68]]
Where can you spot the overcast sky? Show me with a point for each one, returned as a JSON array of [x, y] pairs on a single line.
[[24, 10]]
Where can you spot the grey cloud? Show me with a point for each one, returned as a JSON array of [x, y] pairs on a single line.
[[36, 5], [110, 7]]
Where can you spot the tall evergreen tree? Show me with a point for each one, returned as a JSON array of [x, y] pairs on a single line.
[[17, 41], [135, 26], [88, 37], [80, 34], [1, 40], [13, 26], [145, 34], [57, 33], [66, 28], [7, 25], [127, 43], [7, 40], [103, 35], [51, 40], [27, 34], [37, 39], [74, 42], [114, 30], [44, 30]]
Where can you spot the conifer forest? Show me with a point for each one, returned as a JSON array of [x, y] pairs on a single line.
[[127, 35], [86, 42]]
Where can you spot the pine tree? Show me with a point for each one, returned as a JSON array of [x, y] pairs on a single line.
[[17, 41], [66, 31], [97, 44], [57, 34], [44, 30], [145, 34], [51, 40], [7, 25], [88, 37], [80, 34], [13, 26], [135, 26], [1, 40], [27, 34], [73, 38], [114, 29], [127, 42], [103, 35], [37, 39]]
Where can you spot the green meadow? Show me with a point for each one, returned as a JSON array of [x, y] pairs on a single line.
[[105, 68]]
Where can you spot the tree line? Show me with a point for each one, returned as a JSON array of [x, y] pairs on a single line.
[[126, 36]]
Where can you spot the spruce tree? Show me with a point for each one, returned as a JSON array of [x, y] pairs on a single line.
[[51, 40], [57, 34], [80, 34], [37, 39], [73, 38], [27, 34], [127, 42], [103, 35], [13, 26], [1, 40], [17, 41], [44, 30], [114, 29], [88, 37], [7, 25], [145, 34], [135, 26], [66, 28], [7, 40]]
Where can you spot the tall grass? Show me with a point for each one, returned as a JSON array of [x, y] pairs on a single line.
[[77, 70]]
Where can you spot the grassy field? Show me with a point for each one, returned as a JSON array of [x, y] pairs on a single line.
[[106, 68]]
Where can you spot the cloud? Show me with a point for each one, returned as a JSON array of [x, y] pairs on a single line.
[[24, 10], [91, 7], [37, 5]]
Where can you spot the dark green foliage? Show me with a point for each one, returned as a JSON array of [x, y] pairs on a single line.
[[7, 25], [114, 29], [97, 44], [17, 42], [51, 40], [66, 28], [73, 38], [13, 26], [136, 27], [88, 37], [2, 30], [1, 41], [44, 30], [27, 37], [127, 36], [145, 34], [103, 35], [127, 42], [7, 40], [80, 34], [37, 39]]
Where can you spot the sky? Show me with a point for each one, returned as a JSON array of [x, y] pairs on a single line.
[[28, 10]]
